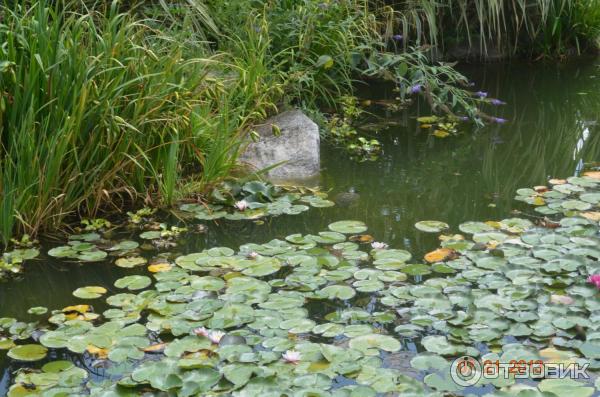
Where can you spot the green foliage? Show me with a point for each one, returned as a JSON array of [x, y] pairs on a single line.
[[531, 28], [104, 104]]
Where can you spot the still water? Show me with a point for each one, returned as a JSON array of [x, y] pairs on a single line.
[[553, 128]]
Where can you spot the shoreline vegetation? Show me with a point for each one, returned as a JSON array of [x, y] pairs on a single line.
[[107, 104]]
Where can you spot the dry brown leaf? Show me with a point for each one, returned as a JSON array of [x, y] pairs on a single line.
[[76, 308], [592, 216], [159, 267], [100, 353], [157, 348], [440, 254], [557, 181], [592, 174], [362, 238]]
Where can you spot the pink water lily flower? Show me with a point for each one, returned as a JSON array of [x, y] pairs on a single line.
[[594, 279], [241, 205], [253, 255], [379, 245], [201, 331], [291, 356], [216, 336]]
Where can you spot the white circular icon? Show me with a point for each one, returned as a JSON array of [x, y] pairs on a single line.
[[465, 371]]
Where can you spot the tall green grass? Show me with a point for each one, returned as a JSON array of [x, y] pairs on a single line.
[[527, 27], [95, 109]]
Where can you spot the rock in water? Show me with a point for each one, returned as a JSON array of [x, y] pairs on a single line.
[[294, 140]]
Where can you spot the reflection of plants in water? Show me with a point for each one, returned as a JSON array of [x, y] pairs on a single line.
[[551, 136]]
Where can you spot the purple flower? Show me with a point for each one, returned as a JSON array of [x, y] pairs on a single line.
[[416, 88], [464, 118], [499, 120], [497, 102], [481, 94], [397, 37]]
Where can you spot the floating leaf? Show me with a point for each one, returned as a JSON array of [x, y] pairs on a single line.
[[342, 292], [368, 344], [431, 226], [348, 227], [160, 267], [133, 282], [31, 352], [91, 292], [439, 255], [130, 262], [38, 310]]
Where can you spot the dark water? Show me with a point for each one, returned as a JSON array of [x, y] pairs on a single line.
[[554, 127]]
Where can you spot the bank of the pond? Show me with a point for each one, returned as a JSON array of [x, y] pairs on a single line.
[[104, 106]]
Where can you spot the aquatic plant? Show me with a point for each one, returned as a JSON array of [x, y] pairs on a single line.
[[594, 279], [514, 289]]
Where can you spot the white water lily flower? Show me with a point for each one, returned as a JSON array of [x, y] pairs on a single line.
[[378, 245], [201, 331], [241, 205], [291, 356], [215, 336], [253, 255]]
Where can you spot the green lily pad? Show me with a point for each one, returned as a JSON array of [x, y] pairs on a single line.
[[576, 205], [130, 262], [342, 292], [566, 387], [348, 227], [431, 226], [91, 292], [368, 344], [133, 282], [38, 310], [475, 227], [31, 352]]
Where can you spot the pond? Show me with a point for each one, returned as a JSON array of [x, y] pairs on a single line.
[[553, 129]]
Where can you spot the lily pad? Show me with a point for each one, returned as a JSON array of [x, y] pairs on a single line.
[[91, 292], [368, 344], [348, 227], [133, 282], [30, 352], [431, 226], [342, 292], [130, 262]]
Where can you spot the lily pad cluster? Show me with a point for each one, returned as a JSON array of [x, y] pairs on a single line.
[[221, 321], [11, 262], [254, 200], [328, 314]]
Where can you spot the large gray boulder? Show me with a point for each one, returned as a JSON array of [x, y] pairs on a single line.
[[297, 145]]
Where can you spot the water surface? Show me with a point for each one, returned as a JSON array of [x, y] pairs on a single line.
[[553, 128]]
